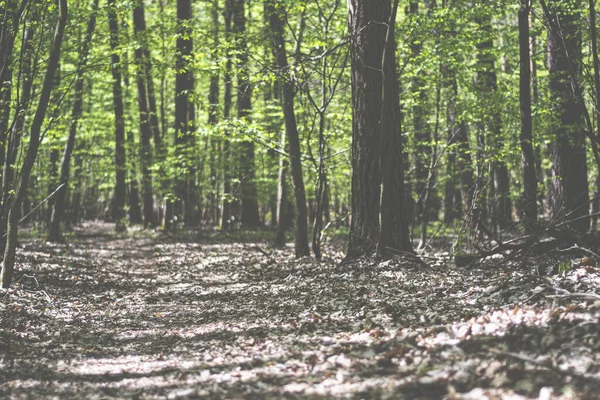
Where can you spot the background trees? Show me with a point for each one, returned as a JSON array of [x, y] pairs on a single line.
[[456, 161]]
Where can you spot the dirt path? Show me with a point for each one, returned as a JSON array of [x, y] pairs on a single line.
[[143, 317]]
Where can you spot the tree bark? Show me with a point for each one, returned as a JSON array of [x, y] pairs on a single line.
[[32, 150], [146, 130], [18, 126], [490, 131], [226, 213], [185, 112], [569, 195], [120, 167], [59, 203], [393, 236], [274, 13], [249, 195], [526, 137]]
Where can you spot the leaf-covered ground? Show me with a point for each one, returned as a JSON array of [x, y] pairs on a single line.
[[143, 317]]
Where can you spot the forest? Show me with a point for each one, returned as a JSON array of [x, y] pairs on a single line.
[[299, 199]]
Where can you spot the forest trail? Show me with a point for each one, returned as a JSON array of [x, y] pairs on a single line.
[[149, 317]]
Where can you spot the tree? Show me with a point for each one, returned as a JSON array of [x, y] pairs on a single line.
[[65, 165], [569, 193], [527, 155], [32, 150], [185, 112], [376, 142], [249, 194], [274, 13], [120, 167], [147, 111]]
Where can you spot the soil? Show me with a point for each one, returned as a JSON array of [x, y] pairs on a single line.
[[146, 316]]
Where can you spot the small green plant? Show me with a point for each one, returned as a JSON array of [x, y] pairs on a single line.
[[565, 266]]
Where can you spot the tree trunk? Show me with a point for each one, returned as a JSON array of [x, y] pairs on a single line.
[[596, 90], [146, 131], [185, 112], [59, 204], [10, 13], [376, 142], [120, 167], [249, 194], [527, 155], [18, 126], [34, 142], [490, 130], [569, 195], [274, 13], [393, 236], [226, 214]]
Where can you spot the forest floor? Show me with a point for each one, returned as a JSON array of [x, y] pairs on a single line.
[[146, 316]]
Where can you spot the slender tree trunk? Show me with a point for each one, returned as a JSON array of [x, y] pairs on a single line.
[[146, 131], [274, 13], [569, 195], [120, 166], [185, 113], [10, 13], [527, 155], [25, 78], [213, 116], [490, 127], [226, 213], [32, 150], [285, 212], [249, 194], [59, 204], [596, 63]]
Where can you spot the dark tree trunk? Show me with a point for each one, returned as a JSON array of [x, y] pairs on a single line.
[[285, 211], [120, 167], [59, 204], [32, 150], [596, 89], [10, 13], [274, 13], [18, 126], [213, 117], [249, 195], [490, 130], [569, 195], [376, 142], [226, 213], [185, 112], [393, 236], [146, 131], [367, 33], [527, 155]]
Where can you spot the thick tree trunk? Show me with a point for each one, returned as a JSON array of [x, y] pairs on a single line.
[[32, 150], [376, 142], [274, 13], [120, 167], [393, 236], [59, 204], [527, 155], [185, 112], [569, 195]]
